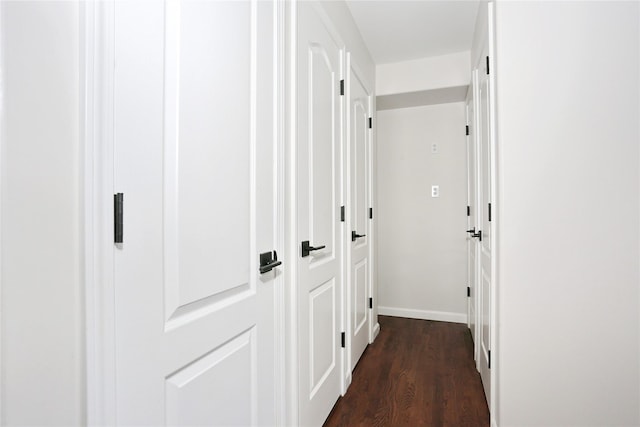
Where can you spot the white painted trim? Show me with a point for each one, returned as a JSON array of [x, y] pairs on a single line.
[[493, 319], [2, 119], [97, 60], [371, 228], [376, 331], [280, 91], [440, 316], [291, 214], [470, 126], [476, 207], [345, 260], [345, 158]]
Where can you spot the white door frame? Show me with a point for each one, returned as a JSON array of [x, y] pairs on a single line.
[[472, 140], [495, 216], [2, 142], [97, 59], [352, 65], [97, 54], [291, 214]]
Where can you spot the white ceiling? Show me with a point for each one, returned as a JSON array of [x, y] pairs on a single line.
[[398, 30]]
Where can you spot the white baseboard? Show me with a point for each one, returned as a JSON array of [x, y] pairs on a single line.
[[441, 316], [376, 331]]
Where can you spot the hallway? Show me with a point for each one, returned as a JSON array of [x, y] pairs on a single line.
[[416, 373]]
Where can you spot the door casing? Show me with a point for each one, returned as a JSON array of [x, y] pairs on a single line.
[[352, 73]]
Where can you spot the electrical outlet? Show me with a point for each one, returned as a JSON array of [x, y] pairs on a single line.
[[434, 148], [435, 191]]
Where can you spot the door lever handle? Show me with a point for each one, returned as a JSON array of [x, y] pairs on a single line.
[[473, 230], [307, 248], [268, 262], [478, 235], [355, 236]]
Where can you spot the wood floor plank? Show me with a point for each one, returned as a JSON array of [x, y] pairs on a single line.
[[416, 373]]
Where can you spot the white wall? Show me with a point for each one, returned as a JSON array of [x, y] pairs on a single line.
[[422, 240], [423, 74], [568, 212], [42, 351], [341, 18]]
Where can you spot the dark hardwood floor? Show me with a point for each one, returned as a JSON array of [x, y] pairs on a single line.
[[416, 373]]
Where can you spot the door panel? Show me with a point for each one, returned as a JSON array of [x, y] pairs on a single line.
[[323, 345], [360, 293], [191, 390], [205, 261], [318, 215], [194, 318], [359, 177], [484, 199]]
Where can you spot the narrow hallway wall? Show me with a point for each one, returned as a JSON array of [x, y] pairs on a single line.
[[422, 240], [42, 299], [568, 350]]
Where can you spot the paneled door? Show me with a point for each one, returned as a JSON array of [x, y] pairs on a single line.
[[359, 178], [484, 222], [472, 224], [194, 158], [319, 229]]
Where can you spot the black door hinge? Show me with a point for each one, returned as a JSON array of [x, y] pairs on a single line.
[[468, 210], [489, 360], [489, 212], [343, 339], [487, 65], [370, 302], [467, 129], [341, 87], [370, 213], [370, 122], [342, 214], [468, 291], [118, 208]]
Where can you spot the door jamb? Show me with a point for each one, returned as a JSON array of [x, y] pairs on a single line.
[[352, 66], [493, 315], [2, 142], [291, 235], [97, 114]]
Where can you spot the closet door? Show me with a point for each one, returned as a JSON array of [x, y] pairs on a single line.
[[319, 229], [359, 183], [194, 157]]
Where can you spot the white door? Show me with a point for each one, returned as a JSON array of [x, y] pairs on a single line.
[[472, 224], [194, 157], [484, 222], [319, 229], [359, 140]]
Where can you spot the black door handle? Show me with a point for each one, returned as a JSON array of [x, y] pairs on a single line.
[[306, 248], [478, 235], [268, 262], [355, 235], [473, 230]]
